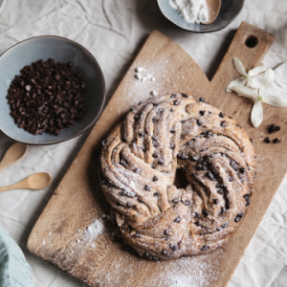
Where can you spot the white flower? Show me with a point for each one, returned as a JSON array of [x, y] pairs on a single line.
[[260, 96], [246, 78]]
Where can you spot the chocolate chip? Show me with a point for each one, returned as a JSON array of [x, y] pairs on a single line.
[[154, 120], [175, 200], [202, 113], [273, 128], [128, 204], [155, 155], [210, 176], [104, 143], [173, 96], [276, 140], [178, 219], [215, 200], [166, 232], [238, 217], [173, 247], [137, 235], [146, 255], [153, 165], [176, 102], [136, 117], [164, 252], [147, 187], [127, 193], [181, 155], [172, 146], [155, 178], [186, 202], [199, 122], [221, 115], [230, 178], [141, 133], [201, 164], [160, 161], [205, 212], [204, 247], [224, 225], [131, 109], [172, 130], [234, 165], [197, 223], [155, 104], [137, 170], [154, 258], [242, 170], [201, 99], [194, 158], [123, 163], [220, 191], [267, 140], [222, 210], [171, 110], [156, 194], [155, 144], [246, 196], [207, 135], [223, 124]]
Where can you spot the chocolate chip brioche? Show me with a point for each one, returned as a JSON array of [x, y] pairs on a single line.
[[138, 166]]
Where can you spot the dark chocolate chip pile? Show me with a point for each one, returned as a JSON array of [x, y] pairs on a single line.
[[47, 97], [273, 128]]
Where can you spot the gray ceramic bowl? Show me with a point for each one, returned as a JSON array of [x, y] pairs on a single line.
[[228, 12], [62, 50]]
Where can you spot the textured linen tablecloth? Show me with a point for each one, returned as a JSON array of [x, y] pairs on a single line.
[[113, 31]]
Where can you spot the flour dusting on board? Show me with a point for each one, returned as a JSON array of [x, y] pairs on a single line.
[[93, 230]]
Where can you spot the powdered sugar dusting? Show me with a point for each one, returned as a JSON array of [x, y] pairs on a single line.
[[93, 230]]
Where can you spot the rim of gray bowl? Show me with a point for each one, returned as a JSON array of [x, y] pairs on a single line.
[[202, 32], [103, 96]]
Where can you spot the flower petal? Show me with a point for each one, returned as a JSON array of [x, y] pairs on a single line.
[[267, 80], [275, 101], [253, 83], [246, 92], [239, 66], [257, 114], [236, 82], [257, 70]]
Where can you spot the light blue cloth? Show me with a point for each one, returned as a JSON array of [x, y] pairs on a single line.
[[14, 270]]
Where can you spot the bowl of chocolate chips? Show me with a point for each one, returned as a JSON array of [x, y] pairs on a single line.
[[52, 89]]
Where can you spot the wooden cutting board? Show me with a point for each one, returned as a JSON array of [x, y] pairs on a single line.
[[73, 232]]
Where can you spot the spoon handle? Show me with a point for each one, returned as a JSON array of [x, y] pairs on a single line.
[[18, 185]]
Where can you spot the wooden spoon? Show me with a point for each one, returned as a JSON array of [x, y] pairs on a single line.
[[214, 8], [13, 154], [35, 181]]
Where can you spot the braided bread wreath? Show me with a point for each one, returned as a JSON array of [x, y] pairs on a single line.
[[139, 160]]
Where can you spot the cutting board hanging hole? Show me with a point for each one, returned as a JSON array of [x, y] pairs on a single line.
[[251, 41]]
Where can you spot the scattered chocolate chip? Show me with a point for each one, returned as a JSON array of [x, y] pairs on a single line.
[[153, 165], [166, 232], [215, 200], [184, 95], [234, 165], [221, 115], [172, 130], [154, 120], [154, 258], [137, 235], [147, 187], [155, 144], [131, 109], [176, 102], [276, 140], [238, 217], [242, 170], [128, 204], [199, 122], [181, 155], [155, 155], [201, 164], [137, 170], [230, 178], [222, 210], [204, 247], [159, 111], [267, 140], [173, 96], [224, 225], [155, 178], [136, 117], [201, 99], [246, 196], [172, 146], [173, 247], [175, 200], [164, 252], [202, 113], [141, 133], [273, 128], [146, 255], [205, 212], [210, 176], [178, 219], [171, 110], [156, 194], [207, 135], [223, 124], [160, 161], [127, 193], [197, 223], [104, 143], [220, 191], [155, 104], [186, 202]]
